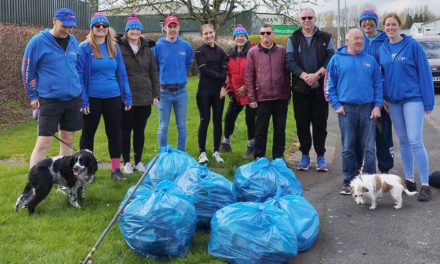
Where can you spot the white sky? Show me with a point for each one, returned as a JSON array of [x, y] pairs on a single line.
[[381, 5]]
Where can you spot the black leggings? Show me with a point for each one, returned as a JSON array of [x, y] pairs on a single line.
[[111, 110], [134, 120], [207, 98], [231, 116]]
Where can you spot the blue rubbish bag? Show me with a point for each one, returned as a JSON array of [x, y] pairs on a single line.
[[170, 164], [258, 180], [209, 191], [158, 224], [249, 232], [304, 216]]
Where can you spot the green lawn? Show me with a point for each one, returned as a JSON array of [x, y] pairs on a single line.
[[59, 233]]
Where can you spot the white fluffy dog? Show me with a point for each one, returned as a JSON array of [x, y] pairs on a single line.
[[374, 185]]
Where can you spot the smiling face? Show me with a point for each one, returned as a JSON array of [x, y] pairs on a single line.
[[240, 40], [391, 27], [355, 41], [100, 29], [369, 26], [307, 19], [172, 30], [134, 34], [59, 30], [208, 35]]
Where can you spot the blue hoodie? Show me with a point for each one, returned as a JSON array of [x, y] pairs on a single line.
[[53, 68], [407, 76], [84, 69], [174, 60], [372, 47], [353, 79]]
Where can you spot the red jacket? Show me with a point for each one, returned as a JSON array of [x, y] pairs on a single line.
[[235, 68], [265, 77]]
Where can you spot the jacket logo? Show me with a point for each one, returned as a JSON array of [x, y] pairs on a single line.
[[402, 58], [366, 64], [183, 53], [72, 52]]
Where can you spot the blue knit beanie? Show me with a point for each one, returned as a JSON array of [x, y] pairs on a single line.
[[240, 30], [98, 17], [133, 22], [369, 13]]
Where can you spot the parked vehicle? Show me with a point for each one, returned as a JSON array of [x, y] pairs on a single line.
[[431, 46]]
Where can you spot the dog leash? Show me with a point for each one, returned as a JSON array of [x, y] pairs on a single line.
[[62, 141], [88, 259], [361, 170]]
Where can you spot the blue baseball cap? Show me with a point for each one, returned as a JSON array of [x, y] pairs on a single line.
[[66, 16]]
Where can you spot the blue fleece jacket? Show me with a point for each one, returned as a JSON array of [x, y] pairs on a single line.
[[407, 75], [84, 66], [372, 47], [53, 68], [174, 60], [353, 79]]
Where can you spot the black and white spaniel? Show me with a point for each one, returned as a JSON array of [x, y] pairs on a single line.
[[72, 171]]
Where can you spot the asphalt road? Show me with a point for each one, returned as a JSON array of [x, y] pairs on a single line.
[[352, 233]]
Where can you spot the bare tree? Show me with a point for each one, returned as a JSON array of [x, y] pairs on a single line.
[[215, 12]]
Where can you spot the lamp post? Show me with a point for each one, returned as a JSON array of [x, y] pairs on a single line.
[[339, 23]]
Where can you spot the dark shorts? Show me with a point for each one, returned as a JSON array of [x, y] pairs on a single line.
[[65, 113]]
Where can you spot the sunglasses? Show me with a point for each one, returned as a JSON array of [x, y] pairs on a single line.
[[267, 33], [307, 18], [100, 25]]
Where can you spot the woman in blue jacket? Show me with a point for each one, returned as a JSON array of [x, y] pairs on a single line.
[[105, 88], [409, 94]]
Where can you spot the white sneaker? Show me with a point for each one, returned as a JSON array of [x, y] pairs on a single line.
[[127, 168], [217, 157], [203, 158], [140, 167]]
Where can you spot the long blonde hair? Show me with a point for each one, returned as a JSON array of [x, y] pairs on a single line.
[[111, 43]]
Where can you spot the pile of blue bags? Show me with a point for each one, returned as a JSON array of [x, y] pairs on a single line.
[[271, 224], [209, 191]]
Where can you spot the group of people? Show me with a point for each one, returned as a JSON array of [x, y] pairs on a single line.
[[378, 78]]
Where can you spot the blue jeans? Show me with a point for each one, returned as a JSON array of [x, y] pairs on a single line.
[[356, 131], [178, 100], [408, 119]]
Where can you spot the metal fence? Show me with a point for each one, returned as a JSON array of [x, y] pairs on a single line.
[[41, 12]]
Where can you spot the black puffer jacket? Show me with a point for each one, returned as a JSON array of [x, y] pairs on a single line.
[[142, 72]]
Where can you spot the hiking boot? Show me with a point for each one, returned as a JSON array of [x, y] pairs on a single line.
[[225, 147], [118, 176], [411, 186], [140, 167], [127, 168], [249, 153], [217, 156], [321, 165], [203, 158], [425, 194], [345, 189], [304, 164]]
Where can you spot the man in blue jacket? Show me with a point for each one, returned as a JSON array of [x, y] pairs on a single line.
[[373, 39], [353, 86], [52, 84], [174, 58]]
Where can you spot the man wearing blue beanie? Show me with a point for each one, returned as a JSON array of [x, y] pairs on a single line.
[[384, 138], [52, 84]]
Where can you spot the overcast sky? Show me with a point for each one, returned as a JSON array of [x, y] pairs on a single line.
[[381, 5]]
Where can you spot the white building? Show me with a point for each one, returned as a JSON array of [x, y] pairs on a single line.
[[416, 30], [431, 28]]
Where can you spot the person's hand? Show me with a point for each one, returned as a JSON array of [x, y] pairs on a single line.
[[223, 92], [127, 107], [33, 84], [385, 106], [315, 84], [375, 113], [241, 91], [86, 110], [35, 104], [340, 110], [155, 101], [253, 105], [428, 112]]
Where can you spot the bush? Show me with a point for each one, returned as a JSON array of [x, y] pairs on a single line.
[[281, 40]]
